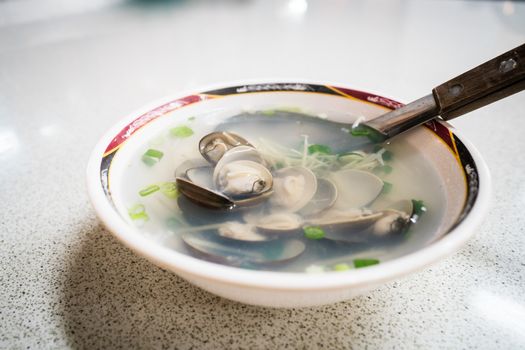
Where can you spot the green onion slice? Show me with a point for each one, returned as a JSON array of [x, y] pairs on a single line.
[[149, 190], [138, 212], [419, 207], [342, 267], [358, 263], [387, 187], [152, 156], [316, 148], [181, 131], [313, 232], [372, 134], [169, 189]]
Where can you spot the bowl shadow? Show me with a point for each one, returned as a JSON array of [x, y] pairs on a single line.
[[112, 299]]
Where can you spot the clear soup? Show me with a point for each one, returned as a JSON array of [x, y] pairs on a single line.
[[369, 203]]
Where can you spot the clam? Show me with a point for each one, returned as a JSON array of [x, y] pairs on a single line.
[[242, 179], [214, 145], [405, 206], [188, 164], [204, 244], [356, 188], [239, 153], [345, 225], [240, 232], [341, 224], [293, 188], [395, 219], [196, 183], [349, 219], [324, 198], [203, 196], [201, 176], [232, 230], [279, 223], [238, 180]]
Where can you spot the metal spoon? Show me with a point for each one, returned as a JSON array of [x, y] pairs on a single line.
[[491, 81]]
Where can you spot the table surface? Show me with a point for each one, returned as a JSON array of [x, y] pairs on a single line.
[[69, 70]]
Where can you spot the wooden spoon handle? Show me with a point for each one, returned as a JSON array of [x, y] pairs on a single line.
[[491, 81]]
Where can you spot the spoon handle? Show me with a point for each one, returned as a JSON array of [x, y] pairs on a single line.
[[491, 81]]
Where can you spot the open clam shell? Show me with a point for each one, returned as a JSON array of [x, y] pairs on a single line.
[[201, 176], [238, 153], [189, 164], [349, 220], [395, 219], [213, 146], [404, 206], [279, 223], [238, 180], [203, 196], [209, 247], [356, 188], [241, 232], [294, 188], [324, 197]]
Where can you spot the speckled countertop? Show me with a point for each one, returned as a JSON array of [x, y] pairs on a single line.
[[69, 70]]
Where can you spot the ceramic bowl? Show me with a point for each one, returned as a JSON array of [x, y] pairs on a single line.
[[457, 162]]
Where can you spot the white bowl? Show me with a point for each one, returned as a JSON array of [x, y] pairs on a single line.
[[454, 158]]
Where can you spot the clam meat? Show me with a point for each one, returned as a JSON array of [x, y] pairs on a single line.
[[293, 188], [241, 232], [242, 179], [279, 223]]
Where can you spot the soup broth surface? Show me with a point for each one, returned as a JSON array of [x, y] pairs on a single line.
[[284, 139]]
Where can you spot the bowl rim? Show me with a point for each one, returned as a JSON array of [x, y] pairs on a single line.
[[188, 266]]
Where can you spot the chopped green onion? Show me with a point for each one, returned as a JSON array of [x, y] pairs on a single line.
[[387, 187], [149, 161], [152, 156], [372, 134], [149, 190], [359, 132], [342, 267], [181, 131], [154, 153], [358, 263], [169, 189], [322, 149], [419, 207], [138, 212], [192, 118], [387, 156], [313, 232]]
